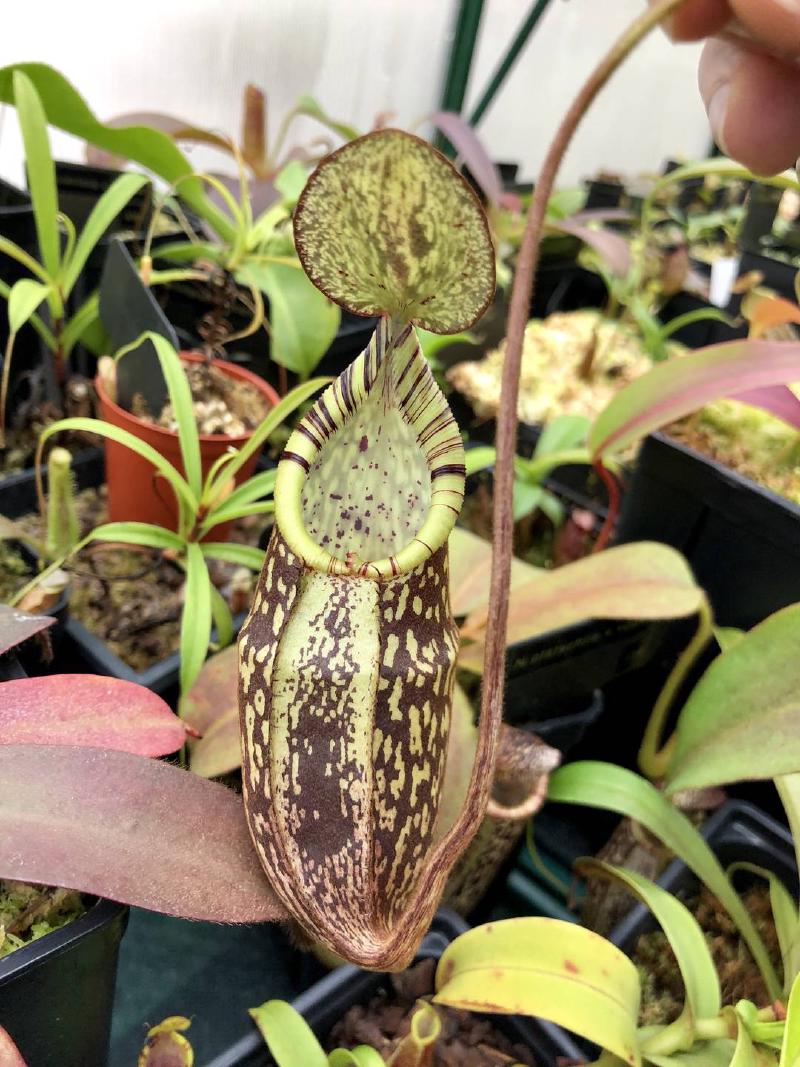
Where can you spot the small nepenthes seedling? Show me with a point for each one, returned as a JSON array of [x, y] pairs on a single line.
[[347, 658]]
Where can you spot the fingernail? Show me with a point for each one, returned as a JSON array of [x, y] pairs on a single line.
[[717, 114]]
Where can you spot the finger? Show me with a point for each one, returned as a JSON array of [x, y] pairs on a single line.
[[774, 24], [751, 99], [697, 19]]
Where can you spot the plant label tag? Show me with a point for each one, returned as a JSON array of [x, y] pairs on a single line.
[[724, 272]]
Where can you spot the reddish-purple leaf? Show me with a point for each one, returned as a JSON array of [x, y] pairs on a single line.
[[131, 829], [613, 248], [212, 707], [468, 145], [684, 384], [90, 710], [778, 400], [17, 626], [9, 1053]]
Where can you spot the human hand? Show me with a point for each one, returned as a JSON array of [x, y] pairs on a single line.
[[749, 76]]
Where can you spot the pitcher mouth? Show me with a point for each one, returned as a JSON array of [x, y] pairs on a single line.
[[391, 385]]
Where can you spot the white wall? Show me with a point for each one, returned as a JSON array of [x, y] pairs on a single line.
[[650, 110], [193, 58], [360, 57]]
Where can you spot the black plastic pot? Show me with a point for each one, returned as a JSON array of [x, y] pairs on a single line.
[[326, 1002], [603, 194], [18, 491], [778, 274], [759, 217], [56, 993], [704, 331], [742, 541]]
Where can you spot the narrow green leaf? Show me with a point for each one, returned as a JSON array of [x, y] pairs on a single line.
[[728, 636], [196, 617], [705, 1054], [554, 970], [790, 1053], [180, 396], [24, 298], [267, 427], [527, 498], [307, 105], [80, 324], [288, 1036], [13, 250], [260, 485], [785, 915], [119, 193], [386, 225], [744, 1054], [478, 459], [679, 386], [685, 937], [230, 552], [66, 109], [303, 322], [562, 432], [43, 331], [226, 513], [138, 533], [104, 429], [433, 343], [698, 315], [291, 180], [40, 169], [223, 620], [742, 719], [605, 786]]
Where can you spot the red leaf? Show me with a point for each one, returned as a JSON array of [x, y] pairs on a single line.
[[17, 626], [469, 147], [779, 400], [90, 710], [212, 708], [131, 829], [614, 249], [679, 386], [9, 1053]]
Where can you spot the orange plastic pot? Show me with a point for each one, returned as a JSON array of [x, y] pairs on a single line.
[[136, 490]]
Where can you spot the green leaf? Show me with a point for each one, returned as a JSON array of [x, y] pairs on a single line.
[[113, 200], [785, 916], [180, 396], [43, 331], [138, 533], [255, 488], [67, 110], [562, 432], [554, 970], [611, 788], [361, 1056], [223, 620], [85, 326], [470, 568], [196, 616], [698, 315], [728, 636], [104, 429], [307, 105], [230, 552], [303, 322], [706, 1054], [225, 513], [685, 937], [291, 180], [742, 719], [744, 1054], [288, 1036], [479, 459], [790, 1052], [386, 225], [636, 581], [679, 386], [527, 498], [433, 343], [40, 169], [24, 298]]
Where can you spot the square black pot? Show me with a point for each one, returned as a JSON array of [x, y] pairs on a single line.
[[742, 541], [56, 993], [327, 1001]]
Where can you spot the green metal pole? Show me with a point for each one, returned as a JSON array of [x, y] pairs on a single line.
[[468, 23], [514, 49]]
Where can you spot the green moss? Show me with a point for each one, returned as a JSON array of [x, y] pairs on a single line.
[[28, 912], [14, 571], [748, 440]]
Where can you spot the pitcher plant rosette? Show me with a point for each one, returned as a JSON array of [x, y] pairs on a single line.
[[347, 659]]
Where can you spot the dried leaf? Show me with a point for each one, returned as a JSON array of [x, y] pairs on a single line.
[[212, 708], [387, 226], [131, 829], [90, 710], [17, 626]]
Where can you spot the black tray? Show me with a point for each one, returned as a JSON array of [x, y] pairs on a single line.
[[326, 1002], [56, 993]]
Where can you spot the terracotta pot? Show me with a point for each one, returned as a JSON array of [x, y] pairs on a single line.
[[136, 491]]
